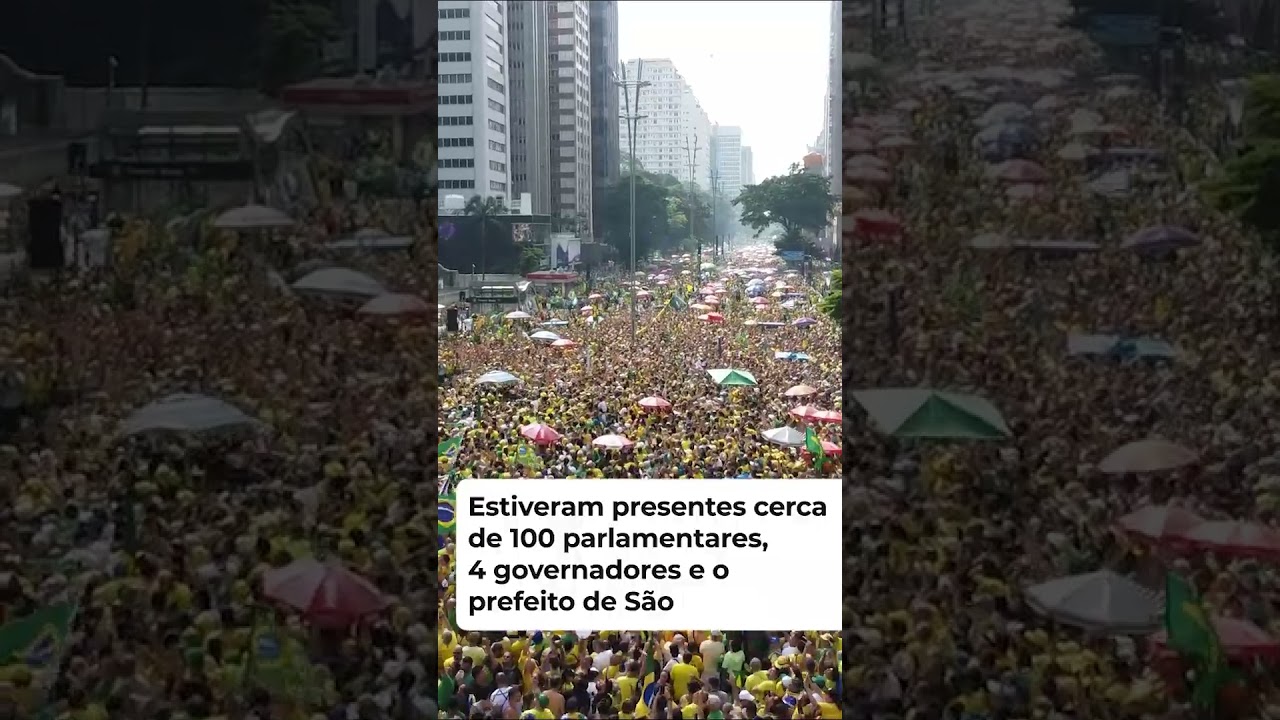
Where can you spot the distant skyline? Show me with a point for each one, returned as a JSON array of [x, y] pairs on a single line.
[[761, 66]]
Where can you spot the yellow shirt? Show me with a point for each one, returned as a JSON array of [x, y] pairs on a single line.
[[755, 679], [626, 687], [681, 674]]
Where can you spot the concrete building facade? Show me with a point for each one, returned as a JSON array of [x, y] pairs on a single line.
[[606, 155], [569, 25], [727, 153], [674, 124], [529, 89], [473, 106], [748, 169], [831, 145]]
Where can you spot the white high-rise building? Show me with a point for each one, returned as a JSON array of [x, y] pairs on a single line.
[[832, 149], [569, 23], [674, 124], [473, 157], [728, 158], [748, 167], [529, 89]]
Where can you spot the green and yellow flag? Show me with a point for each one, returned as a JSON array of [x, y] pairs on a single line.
[[279, 664], [813, 444], [446, 519], [1192, 635], [38, 639], [527, 458]]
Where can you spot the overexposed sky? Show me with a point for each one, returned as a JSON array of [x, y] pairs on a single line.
[[759, 65]]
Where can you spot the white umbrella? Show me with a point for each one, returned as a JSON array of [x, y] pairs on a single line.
[[185, 413], [1101, 601], [545, 335], [395, 304], [252, 217], [517, 315], [497, 377], [784, 436], [339, 282], [613, 442]]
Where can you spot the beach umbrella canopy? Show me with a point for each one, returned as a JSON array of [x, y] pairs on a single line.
[[828, 417], [1241, 640], [517, 315], [730, 377], [1161, 238], [654, 403], [804, 322], [185, 413], [1158, 522], [803, 411], [1234, 538], [784, 436], [1146, 456], [545, 335], [339, 283], [801, 391], [252, 217], [395, 304], [791, 356], [497, 377], [715, 318], [564, 343], [323, 591], [612, 442], [555, 323], [700, 307], [925, 413], [540, 433], [1098, 601]]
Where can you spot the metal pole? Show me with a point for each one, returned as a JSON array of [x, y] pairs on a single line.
[[692, 154], [633, 120]]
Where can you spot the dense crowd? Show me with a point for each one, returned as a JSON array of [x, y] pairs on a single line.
[[140, 559], [946, 536]]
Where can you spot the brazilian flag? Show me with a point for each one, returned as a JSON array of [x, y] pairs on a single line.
[[648, 680], [38, 639], [446, 520], [527, 458]]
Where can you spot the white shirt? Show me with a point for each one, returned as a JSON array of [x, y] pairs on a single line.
[[601, 661], [501, 697]]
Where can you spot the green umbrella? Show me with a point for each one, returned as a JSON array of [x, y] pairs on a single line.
[[733, 377], [932, 414]]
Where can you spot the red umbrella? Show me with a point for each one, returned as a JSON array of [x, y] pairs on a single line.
[[1241, 640], [1158, 522], [1231, 537], [714, 317], [876, 222], [563, 343], [805, 412], [829, 449], [759, 300], [655, 403], [325, 592], [825, 416], [540, 434]]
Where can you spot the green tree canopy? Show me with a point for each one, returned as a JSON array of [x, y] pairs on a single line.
[[653, 218], [800, 202], [1250, 181]]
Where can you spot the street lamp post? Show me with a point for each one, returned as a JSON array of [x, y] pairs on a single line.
[[633, 118], [692, 154]]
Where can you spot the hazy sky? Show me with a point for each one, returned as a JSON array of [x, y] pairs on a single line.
[[758, 65]]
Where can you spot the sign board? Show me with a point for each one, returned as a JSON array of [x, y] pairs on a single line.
[[228, 170], [1124, 30], [792, 255]]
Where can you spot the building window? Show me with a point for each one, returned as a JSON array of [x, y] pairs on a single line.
[[496, 126], [457, 162], [455, 100], [496, 186], [496, 166], [496, 106], [494, 65], [497, 146], [457, 184], [455, 57], [457, 142], [455, 35], [455, 13], [455, 119], [495, 85], [455, 79]]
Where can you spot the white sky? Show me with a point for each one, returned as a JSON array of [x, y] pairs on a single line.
[[759, 65]]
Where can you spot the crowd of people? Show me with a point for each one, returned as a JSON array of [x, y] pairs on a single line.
[[961, 279], [137, 549]]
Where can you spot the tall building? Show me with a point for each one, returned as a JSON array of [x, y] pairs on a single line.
[[606, 155], [674, 124], [727, 149], [748, 169], [472, 105], [834, 122], [569, 25], [529, 88]]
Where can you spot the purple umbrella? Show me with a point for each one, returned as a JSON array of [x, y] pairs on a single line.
[[1160, 238], [805, 322]]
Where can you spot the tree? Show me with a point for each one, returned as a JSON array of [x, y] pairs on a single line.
[[653, 216], [800, 202], [294, 34], [486, 211], [531, 258], [831, 302], [1249, 181]]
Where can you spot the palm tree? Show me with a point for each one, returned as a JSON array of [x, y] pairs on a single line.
[[486, 211]]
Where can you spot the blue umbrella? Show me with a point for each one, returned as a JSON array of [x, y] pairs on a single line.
[[791, 356]]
